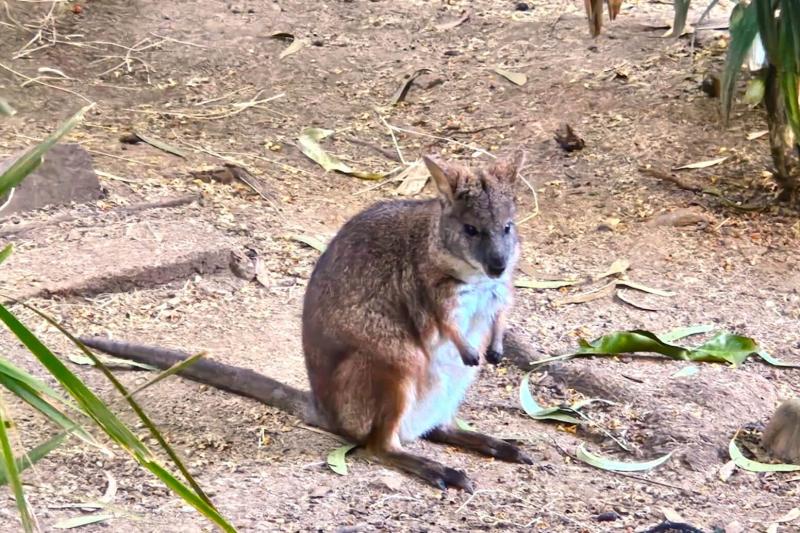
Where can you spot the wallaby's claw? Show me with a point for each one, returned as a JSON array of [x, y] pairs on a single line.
[[444, 477], [494, 356], [506, 451]]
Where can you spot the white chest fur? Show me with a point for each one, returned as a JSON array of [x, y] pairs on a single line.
[[478, 304]]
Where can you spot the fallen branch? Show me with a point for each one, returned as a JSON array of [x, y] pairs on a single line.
[[120, 211]]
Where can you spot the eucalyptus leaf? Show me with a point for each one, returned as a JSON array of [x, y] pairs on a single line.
[[618, 466], [309, 143], [6, 252], [308, 240], [336, 459], [527, 283], [83, 520], [754, 466], [686, 331]]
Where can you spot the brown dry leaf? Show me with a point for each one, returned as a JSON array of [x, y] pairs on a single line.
[[444, 26], [617, 267], [262, 274], [401, 93], [517, 78], [756, 134], [625, 298], [702, 164], [588, 296], [414, 178]]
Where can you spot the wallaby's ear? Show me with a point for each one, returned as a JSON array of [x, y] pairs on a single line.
[[443, 176], [507, 168]]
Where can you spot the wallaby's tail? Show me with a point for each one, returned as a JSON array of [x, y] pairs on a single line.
[[233, 379]]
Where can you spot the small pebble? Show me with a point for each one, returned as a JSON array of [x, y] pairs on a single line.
[[609, 516], [522, 6]]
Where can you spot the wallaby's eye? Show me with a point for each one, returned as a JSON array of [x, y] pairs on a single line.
[[507, 229], [470, 230]]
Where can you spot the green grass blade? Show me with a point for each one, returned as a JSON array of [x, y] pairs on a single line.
[[12, 473], [743, 30], [30, 396], [98, 411], [767, 27], [28, 162], [6, 252], [174, 369], [35, 455]]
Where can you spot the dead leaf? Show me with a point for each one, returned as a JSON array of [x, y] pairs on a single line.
[[309, 144], [84, 520], [567, 139], [791, 516], [680, 217], [588, 296], [517, 78], [726, 471], [672, 515], [702, 164], [402, 92], [617, 267], [644, 288], [734, 527], [625, 298], [161, 145], [310, 241], [444, 26], [524, 283], [296, 46], [756, 134], [262, 274], [414, 178]]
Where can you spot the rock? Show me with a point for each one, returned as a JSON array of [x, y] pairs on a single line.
[[65, 176], [782, 436]]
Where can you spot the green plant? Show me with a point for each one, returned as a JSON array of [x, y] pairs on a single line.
[[777, 24], [84, 403]]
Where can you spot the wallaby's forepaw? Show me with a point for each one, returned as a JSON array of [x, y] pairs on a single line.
[[494, 356], [470, 357]]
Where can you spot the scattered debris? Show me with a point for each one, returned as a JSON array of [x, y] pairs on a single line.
[[756, 135], [135, 137], [567, 139], [413, 179], [686, 216], [293, 48], [444, 26], [309, 144]]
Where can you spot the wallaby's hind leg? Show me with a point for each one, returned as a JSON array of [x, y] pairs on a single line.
[[478, 442], [384, 439]]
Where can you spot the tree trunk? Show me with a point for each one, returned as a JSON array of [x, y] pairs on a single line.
[[782, 143]]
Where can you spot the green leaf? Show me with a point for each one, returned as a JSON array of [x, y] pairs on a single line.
[[309, 144], [31, 159], [763, 354], [6, 252], [743, 30], [768, 27], [631, 342], [463, 425], [336, 459], [34, 455], [754, 92], [558, 413], [5, 109], [725, 347], [754, 466], [12, 472], [687, 331], [686, 372], [618, 466], [109, 422], [83, 520], [174, 369]]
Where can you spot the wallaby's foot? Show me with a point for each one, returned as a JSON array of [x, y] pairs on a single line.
[[435, 473], [493, 356], [470, 357], [478, 442]]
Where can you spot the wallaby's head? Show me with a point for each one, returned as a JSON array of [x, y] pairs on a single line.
[[477, 225]]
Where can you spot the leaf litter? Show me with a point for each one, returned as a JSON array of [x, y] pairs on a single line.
[[309, 144]]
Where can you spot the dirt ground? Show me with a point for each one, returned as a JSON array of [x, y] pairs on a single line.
[[180, 71]]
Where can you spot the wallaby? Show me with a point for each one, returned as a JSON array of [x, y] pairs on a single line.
[[400, 309]]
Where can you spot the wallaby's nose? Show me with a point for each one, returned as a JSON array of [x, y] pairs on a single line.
[[496, 266]]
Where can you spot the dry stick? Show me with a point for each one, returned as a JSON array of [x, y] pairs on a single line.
[[666, 176], [70, 91], [475, 148], [121, 211]]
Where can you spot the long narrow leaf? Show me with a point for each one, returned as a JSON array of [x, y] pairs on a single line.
[[35, 455], [28, 162], [618, 466], [743, 30], [12, 472], [679, 22], [174, 369], [25, 393], [754, 466], [6, 252], [98, 411], [687, 331], [767, 26]]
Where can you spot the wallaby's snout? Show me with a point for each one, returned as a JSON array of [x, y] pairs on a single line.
[[496, 264]]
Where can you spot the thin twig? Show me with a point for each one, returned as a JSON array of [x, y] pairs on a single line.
[[394, 139], [70, 91]]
